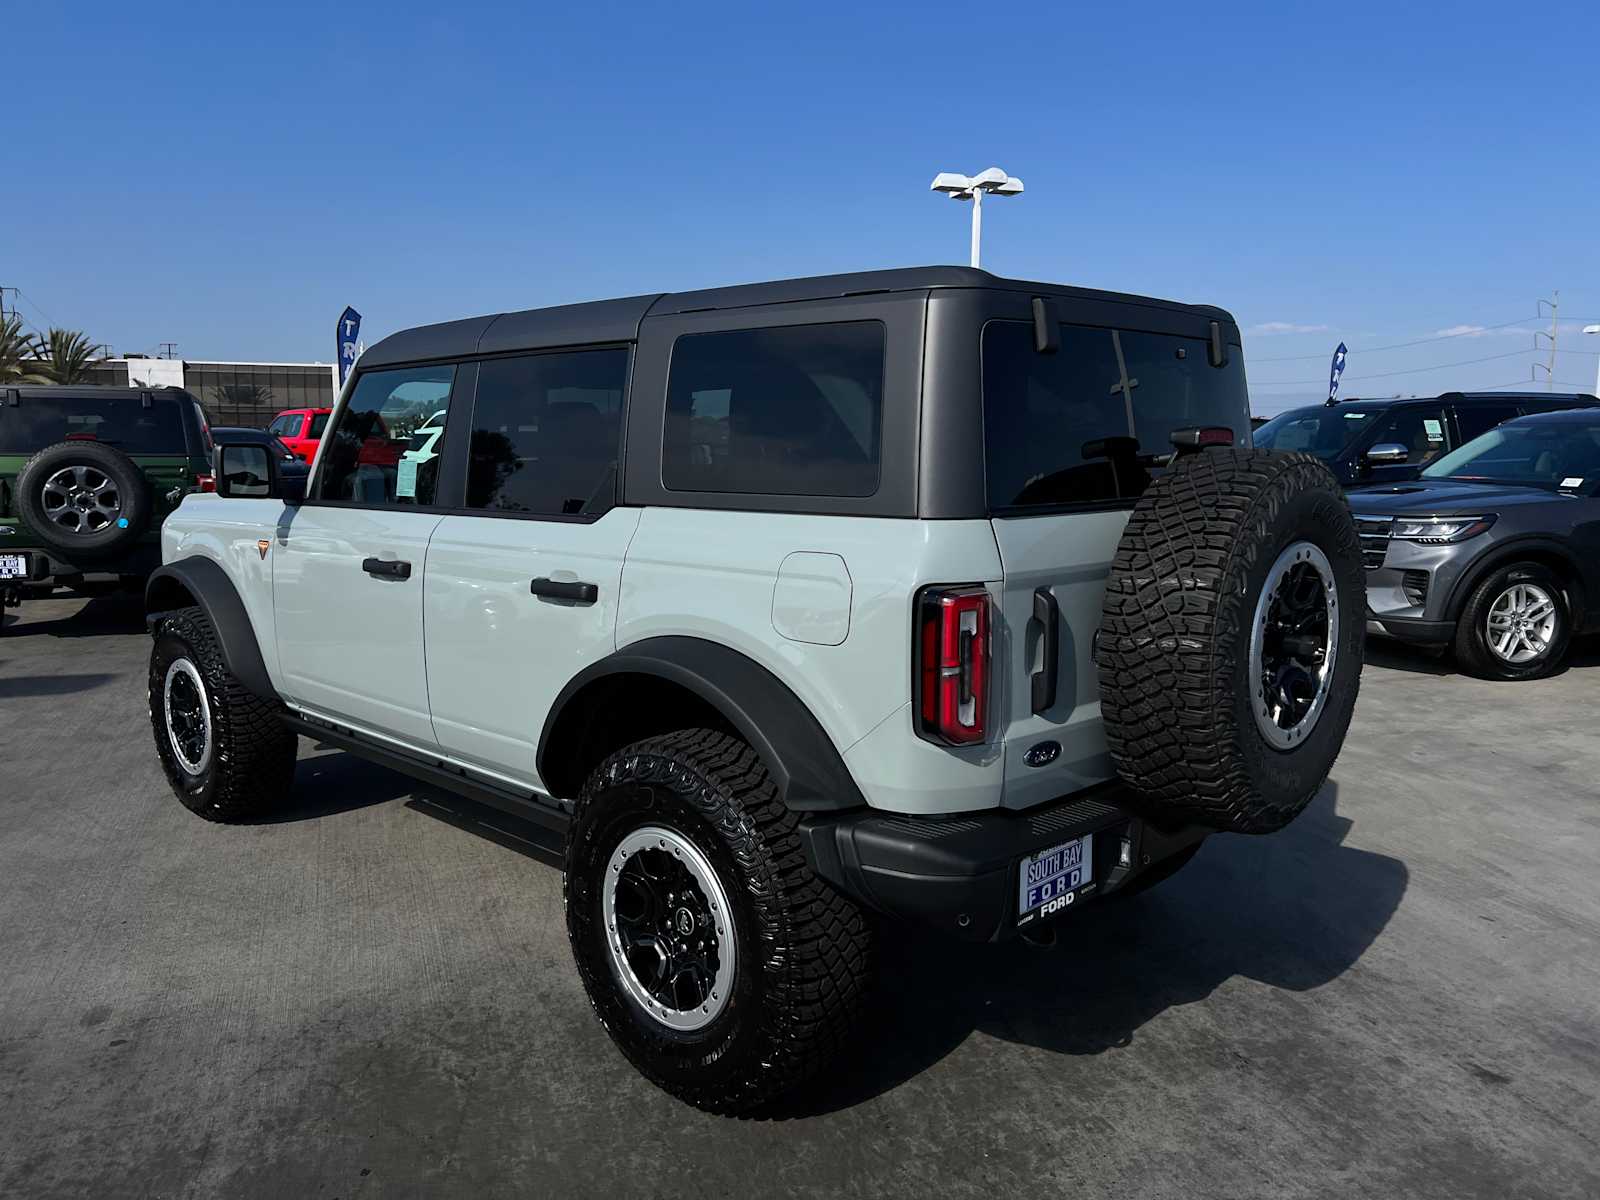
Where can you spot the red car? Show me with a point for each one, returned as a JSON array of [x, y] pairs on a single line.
[[300, 429]]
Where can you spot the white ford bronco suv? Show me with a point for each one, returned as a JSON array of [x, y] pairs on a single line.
[[800, 608]]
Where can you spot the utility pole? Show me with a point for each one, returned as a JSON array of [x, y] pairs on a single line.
[[168, 349], [3, 290], [1549, 371]]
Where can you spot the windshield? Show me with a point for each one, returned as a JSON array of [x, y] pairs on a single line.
[[1324, 431], [1542, 454], [121, 421]]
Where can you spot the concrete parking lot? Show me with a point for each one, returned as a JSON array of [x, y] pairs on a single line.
[[1399, 996]]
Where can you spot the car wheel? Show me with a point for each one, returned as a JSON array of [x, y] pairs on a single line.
[[84, 498], [225, 751], [1231, 639], [1516, 624], [720, 964]]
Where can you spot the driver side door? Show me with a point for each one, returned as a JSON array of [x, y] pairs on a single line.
[[348, 562]]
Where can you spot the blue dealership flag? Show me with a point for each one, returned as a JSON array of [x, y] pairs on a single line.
[[348, 336], [1335, 373]]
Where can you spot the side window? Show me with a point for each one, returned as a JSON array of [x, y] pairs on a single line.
[[283, 424], [318, 424], [545, 432], [1419, 429], [370, 460], [792, 410], [1476, 419]]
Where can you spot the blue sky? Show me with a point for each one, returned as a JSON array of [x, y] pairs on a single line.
[[229, 177]]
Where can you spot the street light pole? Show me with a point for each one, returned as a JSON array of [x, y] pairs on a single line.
[[963, 187], [1594, 329]]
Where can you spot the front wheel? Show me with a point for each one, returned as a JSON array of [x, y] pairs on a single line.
[[720, 964], [1516, 624], [224, 749]]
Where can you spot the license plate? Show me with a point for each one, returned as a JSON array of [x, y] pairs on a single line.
[[13, 566], [1051, 879]]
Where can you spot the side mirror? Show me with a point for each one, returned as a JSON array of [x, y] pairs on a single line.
[[1386, 454], [245, 470]]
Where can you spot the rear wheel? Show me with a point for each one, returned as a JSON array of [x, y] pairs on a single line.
[[718, 962], [1516, 624], [225, 751]]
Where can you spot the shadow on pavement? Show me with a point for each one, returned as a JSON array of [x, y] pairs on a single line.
[[16, 687], [1421, 660], [1294, 910], [113, 612], [326, 785]]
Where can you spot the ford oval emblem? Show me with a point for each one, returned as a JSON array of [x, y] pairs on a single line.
[[1043, 754]]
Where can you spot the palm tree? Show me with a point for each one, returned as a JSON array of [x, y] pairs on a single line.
[[70, 355], [17, 363]]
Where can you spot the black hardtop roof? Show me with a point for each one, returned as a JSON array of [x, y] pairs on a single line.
[[1558, 416], [86, 390], [618, 320], [1452, 397]]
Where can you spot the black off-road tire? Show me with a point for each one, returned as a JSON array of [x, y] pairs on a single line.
[[132, 488], [1471, 641], [804, 952], [250, 768], [1174, 645]]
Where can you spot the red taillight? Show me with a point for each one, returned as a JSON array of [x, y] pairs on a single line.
[[205, 483], [953, 664]]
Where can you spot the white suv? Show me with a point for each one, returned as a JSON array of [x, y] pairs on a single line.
[[911, 595]]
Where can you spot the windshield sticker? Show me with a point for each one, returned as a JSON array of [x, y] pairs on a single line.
[[1435, 429], [1572, 481]]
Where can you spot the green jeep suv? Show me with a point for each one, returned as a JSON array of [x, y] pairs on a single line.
[[87, 474]]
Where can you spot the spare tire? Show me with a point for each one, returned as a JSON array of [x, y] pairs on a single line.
[[84, 498], [1231, 639]]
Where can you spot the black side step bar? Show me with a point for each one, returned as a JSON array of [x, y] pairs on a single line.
[[552, 814]]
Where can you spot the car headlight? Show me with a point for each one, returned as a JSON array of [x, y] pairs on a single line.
[[1437, 531]]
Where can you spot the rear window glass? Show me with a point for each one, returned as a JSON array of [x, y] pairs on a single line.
[[120, 421], [319, 423], [795, 410], [1085, 425]]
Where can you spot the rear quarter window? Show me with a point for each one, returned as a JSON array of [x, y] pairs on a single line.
[[120, 421], [1082, 425], [791, 410]]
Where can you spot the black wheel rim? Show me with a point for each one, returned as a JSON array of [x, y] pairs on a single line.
[[188, 716], [1293, 645], [668, 927]]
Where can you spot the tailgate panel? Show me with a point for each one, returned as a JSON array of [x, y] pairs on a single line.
[[1070, 555]]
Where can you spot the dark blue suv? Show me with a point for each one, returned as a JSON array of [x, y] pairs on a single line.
[[1390, 441]]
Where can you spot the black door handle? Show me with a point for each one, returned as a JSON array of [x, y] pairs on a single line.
[[555, 589], [1048, 614], [386, 568]]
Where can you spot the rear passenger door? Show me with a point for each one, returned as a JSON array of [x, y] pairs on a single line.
[[523, 583]]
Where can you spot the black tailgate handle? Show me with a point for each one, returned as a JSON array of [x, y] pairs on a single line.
[[386, 568], [556, 589], [1048, 613]]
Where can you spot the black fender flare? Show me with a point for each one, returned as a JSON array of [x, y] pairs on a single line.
[[805, 764], [214, 592], [1510, 550]]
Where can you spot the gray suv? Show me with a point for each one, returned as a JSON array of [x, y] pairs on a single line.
[[1495, 549]]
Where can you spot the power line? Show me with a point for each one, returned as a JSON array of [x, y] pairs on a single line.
[[1474, 331], [1465, 362]]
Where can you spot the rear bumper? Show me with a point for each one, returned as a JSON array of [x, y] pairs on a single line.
[[959, 873]]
